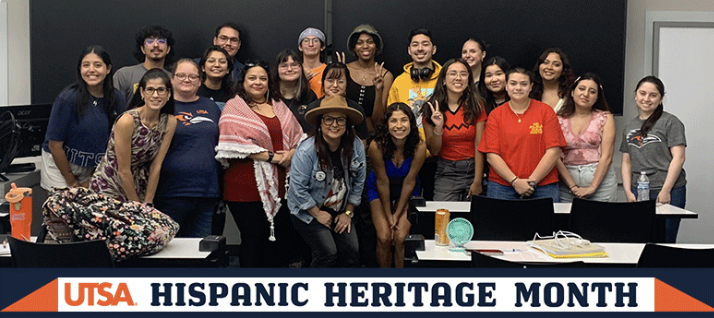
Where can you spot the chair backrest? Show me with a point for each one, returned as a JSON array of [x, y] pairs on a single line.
[[73, 254], [626, 222], [479, 260], [511, 220], [660, 256]]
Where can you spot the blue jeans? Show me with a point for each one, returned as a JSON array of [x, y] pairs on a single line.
[[678, 199], [329, 249], [499, 191], [194, 215]]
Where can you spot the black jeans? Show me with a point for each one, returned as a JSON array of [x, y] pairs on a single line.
[[255, 248], [329, 249]]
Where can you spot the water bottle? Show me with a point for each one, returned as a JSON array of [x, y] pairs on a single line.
[[20, 200], [643, 187]]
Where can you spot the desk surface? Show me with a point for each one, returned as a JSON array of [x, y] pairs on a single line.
[[560, 208], [618, 253], [178, 248]]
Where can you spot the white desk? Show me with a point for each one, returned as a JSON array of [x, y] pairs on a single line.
[[560, 208], [178, 252], [618, 253]]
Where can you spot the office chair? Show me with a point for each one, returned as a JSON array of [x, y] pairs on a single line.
[[74, 254], [659, 256], [511, 220], [479, 260], [626, 222]]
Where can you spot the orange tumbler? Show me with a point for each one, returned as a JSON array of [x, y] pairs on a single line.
[[441, 220], [20, 200]]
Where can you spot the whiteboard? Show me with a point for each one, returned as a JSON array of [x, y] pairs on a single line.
[[683, 57]]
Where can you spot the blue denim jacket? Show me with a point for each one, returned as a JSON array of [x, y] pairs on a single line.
[[307, 191]]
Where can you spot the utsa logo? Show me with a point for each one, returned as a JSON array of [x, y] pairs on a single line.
[[188, 119], [105, 294], [634, 138]]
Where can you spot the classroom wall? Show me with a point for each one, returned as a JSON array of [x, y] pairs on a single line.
[[634, 60]]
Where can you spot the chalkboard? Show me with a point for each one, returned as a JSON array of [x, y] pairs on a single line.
[[592, 33]]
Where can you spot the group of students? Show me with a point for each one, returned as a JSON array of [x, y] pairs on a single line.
[[294, 150]]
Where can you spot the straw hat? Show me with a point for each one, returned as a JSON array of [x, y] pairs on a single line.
[[334, 104]]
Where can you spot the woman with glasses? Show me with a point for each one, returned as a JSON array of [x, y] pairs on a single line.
[[589, 128], [138, 143], [454, 122], [292, 85], [188, 188], [80, 122], [553, 77], [326, 182], [370, 82], [258, 136], [215, 69]]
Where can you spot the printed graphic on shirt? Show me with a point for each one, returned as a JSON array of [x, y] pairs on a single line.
[[417, 98], [188, 119], [536, 129], [634, 138], [336, 197], [88, 158]]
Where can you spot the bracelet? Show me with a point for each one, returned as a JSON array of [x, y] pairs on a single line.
[[438, 134], [270, 156], [574, 186], [514, 180]]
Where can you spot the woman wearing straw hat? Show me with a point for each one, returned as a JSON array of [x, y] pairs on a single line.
[[326, 181]]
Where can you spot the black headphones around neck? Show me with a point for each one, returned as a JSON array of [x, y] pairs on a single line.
[[421, 73]]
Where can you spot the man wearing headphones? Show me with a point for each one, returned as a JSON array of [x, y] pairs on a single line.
[[413, 87]]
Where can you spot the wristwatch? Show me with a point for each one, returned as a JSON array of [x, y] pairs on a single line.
[[349, 213]]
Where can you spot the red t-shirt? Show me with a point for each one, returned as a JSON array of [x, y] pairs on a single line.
[[457, 142], [239, 183], [522, 144]]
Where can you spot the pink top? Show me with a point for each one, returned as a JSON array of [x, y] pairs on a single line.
[[584, 148]]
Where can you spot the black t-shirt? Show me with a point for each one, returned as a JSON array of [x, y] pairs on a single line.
[[299, 108]]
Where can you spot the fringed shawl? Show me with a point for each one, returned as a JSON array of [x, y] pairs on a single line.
[[243, 133]]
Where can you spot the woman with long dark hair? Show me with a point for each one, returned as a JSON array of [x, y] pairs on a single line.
[[138, 143], [396, 153], [258, 136], [492, 85], [589, 129], [553, 77], [654, 143], [216, 67], [291, 84], [522, 143], [326, 182], [454, 119], [80, 122]]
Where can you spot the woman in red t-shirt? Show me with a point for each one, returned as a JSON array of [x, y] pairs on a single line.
[[522, 142], [454, 119]]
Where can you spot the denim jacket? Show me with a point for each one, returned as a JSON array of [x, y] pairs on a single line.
[[306, 190]]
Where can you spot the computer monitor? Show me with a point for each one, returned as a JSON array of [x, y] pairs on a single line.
[[31, 125]]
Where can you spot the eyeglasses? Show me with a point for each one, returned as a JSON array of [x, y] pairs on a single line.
[[253, 63], [288, 66], [226, 39], [182, 77], [313, 41], [341, 121], [151, 41], [161, 91]]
